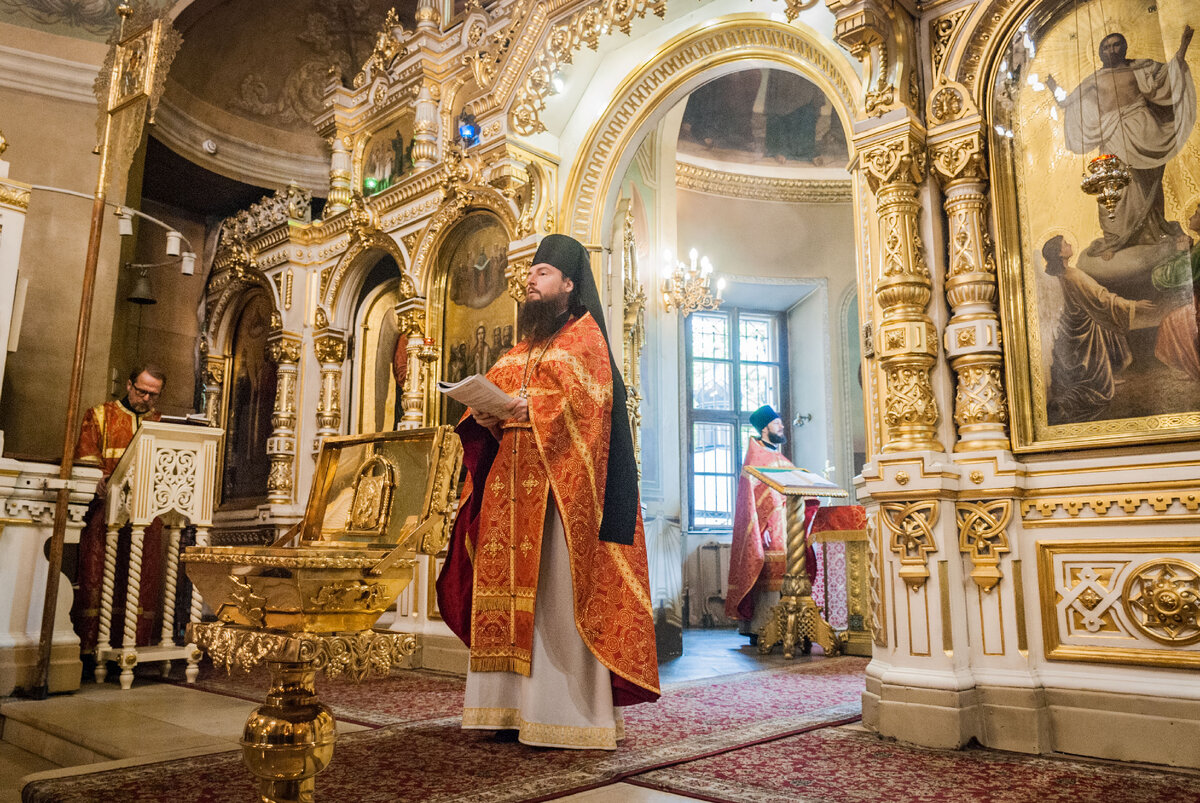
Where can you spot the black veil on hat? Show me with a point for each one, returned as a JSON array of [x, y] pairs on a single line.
[[621, 488]]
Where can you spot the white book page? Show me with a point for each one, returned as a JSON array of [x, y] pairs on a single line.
[[480, 394]]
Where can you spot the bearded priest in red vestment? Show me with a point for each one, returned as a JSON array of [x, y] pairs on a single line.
[[546, 578], [104, 435], [757, 559]]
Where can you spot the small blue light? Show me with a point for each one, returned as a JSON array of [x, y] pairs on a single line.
[[468, 129]]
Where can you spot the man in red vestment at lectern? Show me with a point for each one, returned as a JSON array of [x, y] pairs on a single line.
[[104, 435], [757, 559], [550, 524]]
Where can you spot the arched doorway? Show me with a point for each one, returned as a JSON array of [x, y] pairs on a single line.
[[742, 157]]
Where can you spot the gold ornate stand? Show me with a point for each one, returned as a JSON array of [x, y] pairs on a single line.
[[289, 739], [796, 616]]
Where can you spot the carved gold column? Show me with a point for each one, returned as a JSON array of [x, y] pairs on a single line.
[[410, 321], [330, 348], [972, 337], [283, 348], [213, 377], [907, 341], [340, 189], [425, 129], [634, 330]]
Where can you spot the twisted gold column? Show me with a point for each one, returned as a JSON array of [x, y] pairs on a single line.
[[284, 350], [907, 341], [796, 616], [973, 334]]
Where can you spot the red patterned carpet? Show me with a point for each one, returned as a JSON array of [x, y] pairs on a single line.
[[433, 761], [843, 765], [394, 700]]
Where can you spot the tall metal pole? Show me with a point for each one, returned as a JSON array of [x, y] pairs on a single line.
[[50, 607]]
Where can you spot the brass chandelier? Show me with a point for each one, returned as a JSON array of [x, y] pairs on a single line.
[[689, 287]]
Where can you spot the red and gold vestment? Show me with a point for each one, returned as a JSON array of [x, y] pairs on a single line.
[[487, 592], [104, 435], [757, 559]]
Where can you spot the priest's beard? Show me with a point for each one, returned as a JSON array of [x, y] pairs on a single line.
[[539, 319], [776, 440]]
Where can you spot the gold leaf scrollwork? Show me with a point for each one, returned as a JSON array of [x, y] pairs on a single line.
[[516, 280], [1162, 599], [13, 195], [980, 397], [330, 348], [911, 526], [354, 655], [983, 535], [900, 159], [488, 51], [283, 349], [363, 220], [583, 28], [875, 563], [941, 32], [390, 43], [250, 605], [350, 595], [909, 397]]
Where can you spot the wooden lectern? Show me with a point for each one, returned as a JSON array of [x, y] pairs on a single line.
[[796, 617], [168, 472]]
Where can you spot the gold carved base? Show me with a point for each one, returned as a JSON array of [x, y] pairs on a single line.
[[796, 618], [289, 739]]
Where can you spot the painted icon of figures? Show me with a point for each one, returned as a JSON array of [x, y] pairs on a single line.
[[1143, 111], [479, 277], [386, 161], [765, 117], [133, 67], [1178, 279], [252, 399], [478, 324], [1091, 346], [391, 371]]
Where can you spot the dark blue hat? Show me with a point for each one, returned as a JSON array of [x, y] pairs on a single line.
[[762, 416]]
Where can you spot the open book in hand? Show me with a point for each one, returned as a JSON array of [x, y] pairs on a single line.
[[480, 394]]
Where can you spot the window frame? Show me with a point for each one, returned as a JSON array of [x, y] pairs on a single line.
[[736, 417]]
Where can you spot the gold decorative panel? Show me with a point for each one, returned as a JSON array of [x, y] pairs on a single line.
[[983, 535], [1121, 601], [910, 525]]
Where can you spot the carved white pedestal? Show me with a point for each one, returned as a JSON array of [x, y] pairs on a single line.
[[168, 472]]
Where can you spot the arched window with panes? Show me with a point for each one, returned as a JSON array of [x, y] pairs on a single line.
[[737, 362]]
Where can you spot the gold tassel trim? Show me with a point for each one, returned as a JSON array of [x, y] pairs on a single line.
[[506, 603], [500, 663]]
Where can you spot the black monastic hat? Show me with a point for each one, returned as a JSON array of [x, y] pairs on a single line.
[[621, 489]]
